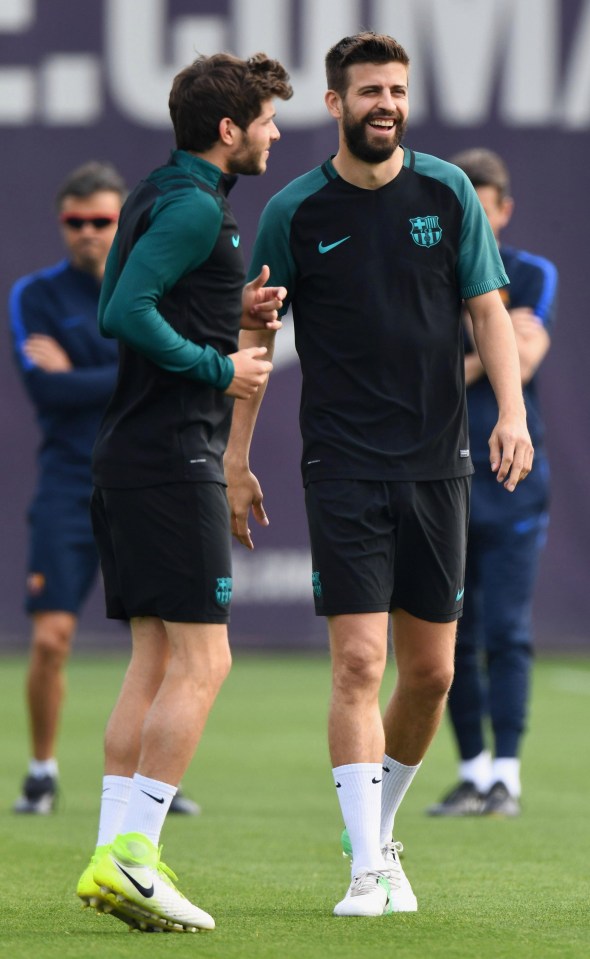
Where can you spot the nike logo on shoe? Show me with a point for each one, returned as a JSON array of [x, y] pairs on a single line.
[[146, 891], [155, 798]]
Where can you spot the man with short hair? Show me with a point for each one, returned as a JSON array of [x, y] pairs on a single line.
[[506, 535], [377, 248], [69, 372], [174, 297]]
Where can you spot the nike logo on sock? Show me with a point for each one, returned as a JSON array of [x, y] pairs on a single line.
[[373, 780], [338, 785], [155, 798], [146, 891], [386, 769]]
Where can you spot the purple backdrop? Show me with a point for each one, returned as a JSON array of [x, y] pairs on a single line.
[[91, 80]]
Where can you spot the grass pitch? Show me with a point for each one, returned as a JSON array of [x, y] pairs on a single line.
[[264, 856]]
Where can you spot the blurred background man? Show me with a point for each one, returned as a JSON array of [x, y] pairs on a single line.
[[506, 536], [69, 371]]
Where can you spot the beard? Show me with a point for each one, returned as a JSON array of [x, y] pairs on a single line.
[[248, 161], [357, 139]]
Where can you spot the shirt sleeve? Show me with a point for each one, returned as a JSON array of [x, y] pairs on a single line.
[[479, 267], [272, 247], [73, 389], [181, 235]]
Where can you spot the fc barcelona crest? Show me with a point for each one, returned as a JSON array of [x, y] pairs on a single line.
[[425, 230], [224, 590]]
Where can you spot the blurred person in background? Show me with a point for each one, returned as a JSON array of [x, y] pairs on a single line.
[[69, 372], [493, 658]]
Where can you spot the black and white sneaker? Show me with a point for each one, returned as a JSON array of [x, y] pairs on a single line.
[[39, 796], [462, 800], [499, 802], [183, 805]]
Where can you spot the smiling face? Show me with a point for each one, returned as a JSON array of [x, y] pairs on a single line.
[[374, 110], [251, 154]]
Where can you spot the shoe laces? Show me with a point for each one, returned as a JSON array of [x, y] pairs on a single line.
[[169, 874], [391, 852], [365, 881]]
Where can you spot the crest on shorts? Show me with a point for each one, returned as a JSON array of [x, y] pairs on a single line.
[[426, 230], [223, 590]]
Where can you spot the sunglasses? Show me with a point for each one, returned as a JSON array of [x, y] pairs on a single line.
[[98, 222]]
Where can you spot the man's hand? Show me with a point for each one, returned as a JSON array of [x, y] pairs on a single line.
[[250, 372], [244, 493], [260, 303], [511, 451], [46, 353]]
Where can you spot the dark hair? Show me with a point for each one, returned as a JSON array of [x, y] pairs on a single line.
[[219, 86], [484, 168], [366, 47], [91, 178]]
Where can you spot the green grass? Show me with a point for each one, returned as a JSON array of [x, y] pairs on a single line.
[[264, 856]]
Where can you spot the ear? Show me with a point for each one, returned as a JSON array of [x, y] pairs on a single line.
[[507, 210], [333, 102], [227, 131]]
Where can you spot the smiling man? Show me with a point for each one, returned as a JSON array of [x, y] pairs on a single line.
[[377, 248]]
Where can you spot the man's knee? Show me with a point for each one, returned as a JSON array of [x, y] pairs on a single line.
[[52, 637]]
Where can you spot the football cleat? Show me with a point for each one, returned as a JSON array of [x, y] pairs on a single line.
[[463, 800], [499, 802], [92, 895], [143, 887], [38, 797], [401, 893], [182, 805], [369, 894]]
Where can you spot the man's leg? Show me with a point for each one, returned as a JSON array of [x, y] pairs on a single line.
[[173, 679], [52, 634], [424, 654]]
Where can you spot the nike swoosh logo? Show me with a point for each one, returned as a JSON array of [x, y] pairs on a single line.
[[236, 241], [459, 595], [338, 785], [373, 780], [146, 891], [325, 248], [155, 798], [386, 769]]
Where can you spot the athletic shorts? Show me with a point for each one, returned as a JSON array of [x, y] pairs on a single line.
[[62, 563], [165, 551], [378, 546]]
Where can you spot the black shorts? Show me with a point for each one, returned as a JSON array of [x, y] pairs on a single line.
[[378, 546], [165, 551]]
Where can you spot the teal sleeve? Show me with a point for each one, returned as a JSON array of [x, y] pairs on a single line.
[[479, 267], [182, 233], [272, 247]]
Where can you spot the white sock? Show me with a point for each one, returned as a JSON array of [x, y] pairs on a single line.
[[359, 793], [507, 771], [43, 767], [477, 771], [113, 803], [396, 782], [149, 802]]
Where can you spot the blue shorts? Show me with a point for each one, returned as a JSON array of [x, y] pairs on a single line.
[[382, 545], [63, 560]]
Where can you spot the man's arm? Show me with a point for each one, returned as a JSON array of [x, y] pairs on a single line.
[[243, 489], [511, 450], [532, 342]]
